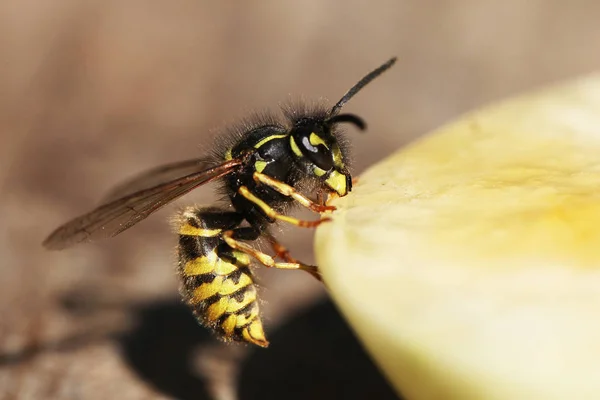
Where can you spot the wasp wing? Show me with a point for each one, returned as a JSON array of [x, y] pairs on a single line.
[[157, 176], [115, 216]]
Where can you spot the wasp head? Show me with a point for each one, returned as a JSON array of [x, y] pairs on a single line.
[[313, 140]]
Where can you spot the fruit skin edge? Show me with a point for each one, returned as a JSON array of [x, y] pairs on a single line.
[[468, 262]]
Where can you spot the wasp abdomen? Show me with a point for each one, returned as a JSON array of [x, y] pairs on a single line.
[[216, 280]]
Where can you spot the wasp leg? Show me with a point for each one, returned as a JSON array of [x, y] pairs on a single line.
[[289, 191], [271, 213], [233, 237], [321, 198], [281, 251]]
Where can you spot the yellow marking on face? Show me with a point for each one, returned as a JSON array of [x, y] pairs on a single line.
[[229, 287], [316, 140], [318, 171], [259, 166], [254, 333], [338, 160], [189, 230], [207, 290], [295, 147], [216, 309], [235, 306], [337, 182], [229, 325], [268, 139], [228, 155]]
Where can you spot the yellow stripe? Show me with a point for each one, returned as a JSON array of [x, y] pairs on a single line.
[[318, 171], [189, 230], [229, 325], [235, 306], [245, 319], [337, 182], [246, 335], [224, 268], [294, 146], [259, 166], [228, 155], [254, 333], [199, 266], [256, 330], [337, 156], [210, 263], [268, 139], [229, 287], [316, 140], [241, 259], [207, 290], [216, 309]]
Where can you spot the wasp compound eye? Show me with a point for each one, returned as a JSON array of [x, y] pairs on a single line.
[[313, 147], [318, 154]]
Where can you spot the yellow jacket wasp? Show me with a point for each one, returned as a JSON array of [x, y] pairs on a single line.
[[264, 168]]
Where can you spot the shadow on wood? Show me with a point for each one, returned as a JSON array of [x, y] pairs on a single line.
[[312, 356]]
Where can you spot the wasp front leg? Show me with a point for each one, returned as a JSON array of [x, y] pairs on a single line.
[[289, 191], [271, 213]]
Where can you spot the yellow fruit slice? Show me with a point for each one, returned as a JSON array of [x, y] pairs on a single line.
[[469, 262]]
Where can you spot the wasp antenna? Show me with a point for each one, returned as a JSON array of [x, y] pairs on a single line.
[[348, 118], [362, 83]]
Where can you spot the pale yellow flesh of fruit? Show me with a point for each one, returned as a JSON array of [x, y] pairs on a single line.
[[469, 262]]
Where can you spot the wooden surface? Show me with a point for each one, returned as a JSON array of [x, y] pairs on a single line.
[[93, 92]]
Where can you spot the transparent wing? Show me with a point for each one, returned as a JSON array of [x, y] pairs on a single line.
[[157, 176], [115, 216]]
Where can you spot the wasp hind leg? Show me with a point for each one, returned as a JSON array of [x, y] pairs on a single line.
[[283, 253], [234, 238]]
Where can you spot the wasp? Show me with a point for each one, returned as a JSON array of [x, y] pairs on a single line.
[[264, 167]]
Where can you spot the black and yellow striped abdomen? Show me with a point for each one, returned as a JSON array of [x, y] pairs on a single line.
[[216, 280]]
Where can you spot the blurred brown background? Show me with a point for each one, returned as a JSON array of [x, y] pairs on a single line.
[[92, 92]]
